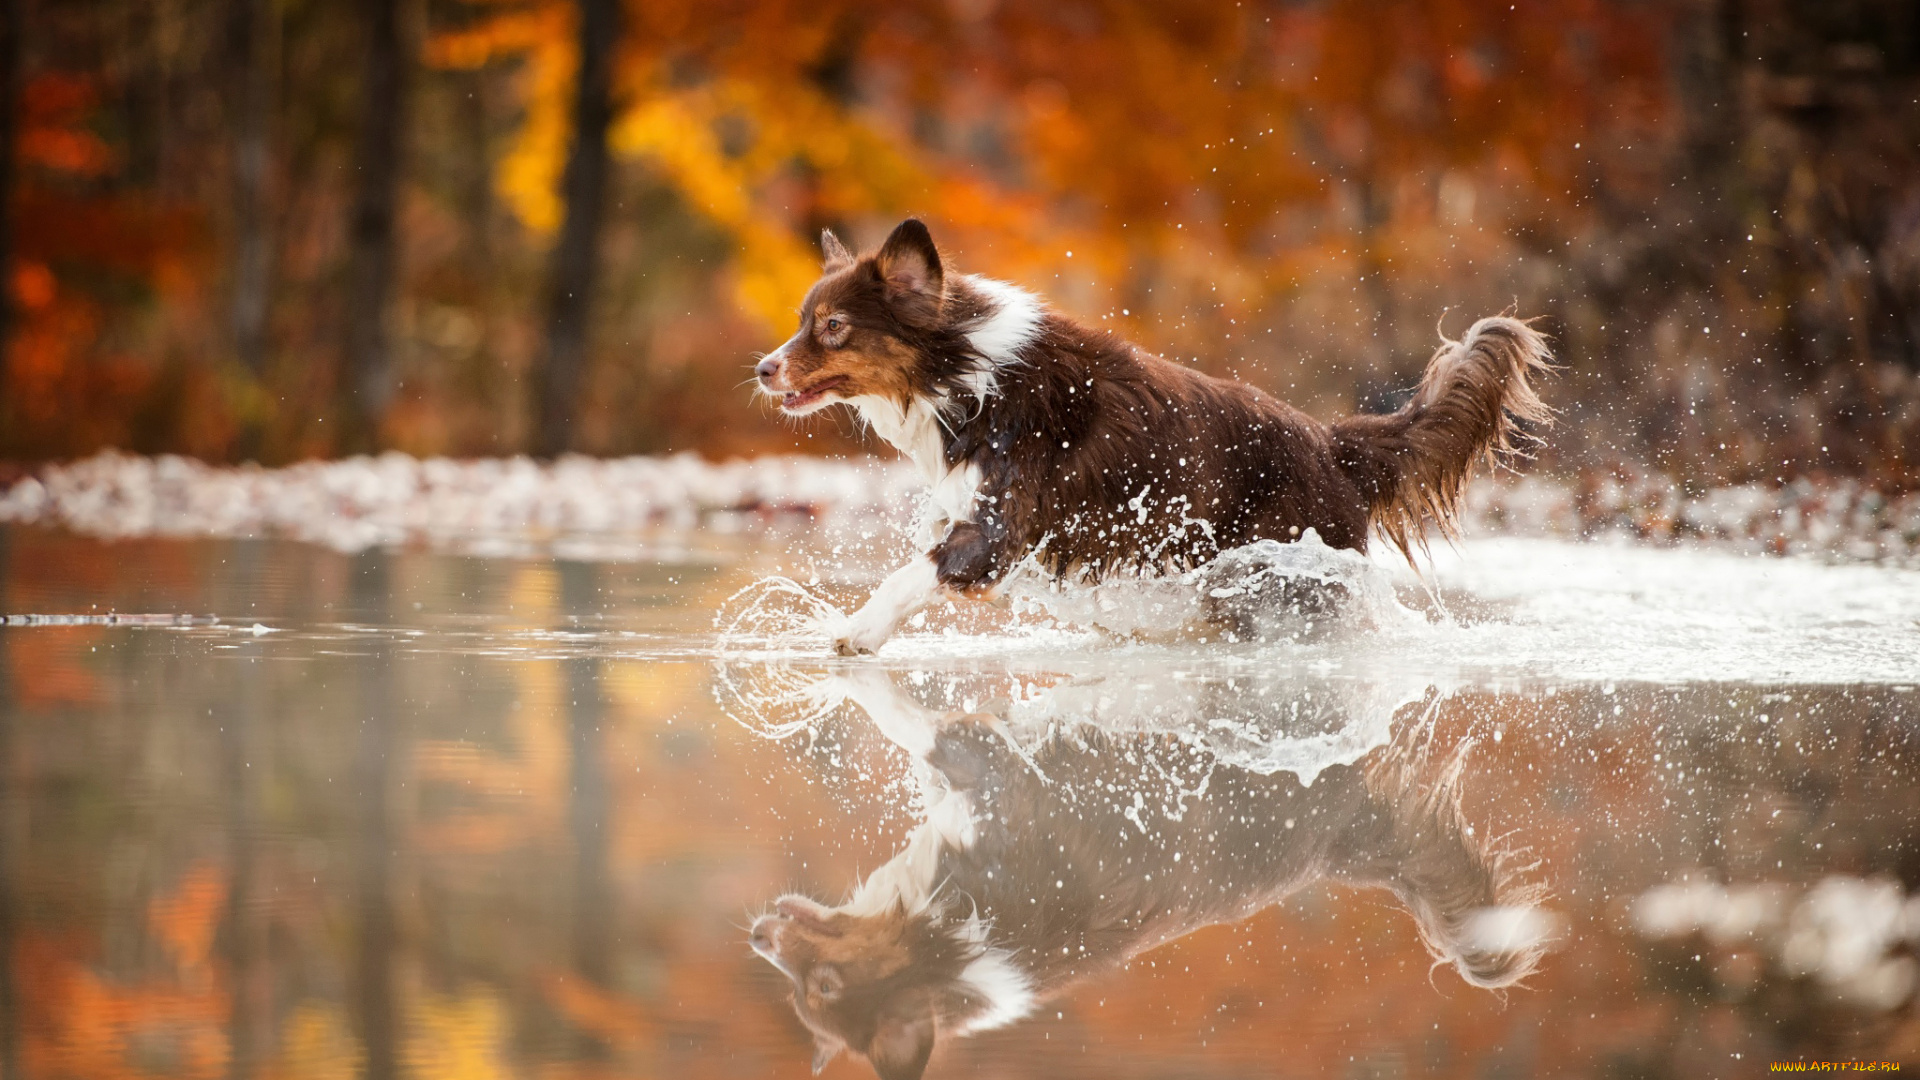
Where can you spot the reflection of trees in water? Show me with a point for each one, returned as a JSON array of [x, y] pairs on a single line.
[[247, 762], [375, 836], [12, 807], [398, 1021], [587, 810], [1794, 794]]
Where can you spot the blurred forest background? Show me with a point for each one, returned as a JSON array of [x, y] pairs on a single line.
[[276, 229]]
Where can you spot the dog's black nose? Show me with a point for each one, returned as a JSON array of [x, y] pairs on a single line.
[[762, 937], [768, 368]]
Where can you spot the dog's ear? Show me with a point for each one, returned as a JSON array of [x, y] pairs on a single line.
[[901, 1047], [825, 1049], [834, 252], [909, 265]]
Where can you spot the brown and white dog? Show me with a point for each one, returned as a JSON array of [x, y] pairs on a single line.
[[1034, 871], [1042, 436]]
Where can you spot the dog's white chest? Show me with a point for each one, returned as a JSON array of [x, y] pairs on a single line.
[[916, 433]]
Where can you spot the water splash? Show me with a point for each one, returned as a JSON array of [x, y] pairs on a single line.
[[1264, 717], [1526, 609], [1264, 591], [1263, 722], [775, 700], [775, 615], [759, 626]]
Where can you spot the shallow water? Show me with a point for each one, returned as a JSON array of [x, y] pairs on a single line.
[[409, 813]]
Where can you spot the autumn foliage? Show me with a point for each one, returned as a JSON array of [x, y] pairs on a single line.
[[1712, 205]]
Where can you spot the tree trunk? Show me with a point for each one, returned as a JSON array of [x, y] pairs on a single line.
[[478, 196], [12, 16], [367, 385], [570, 286], [255, 29]]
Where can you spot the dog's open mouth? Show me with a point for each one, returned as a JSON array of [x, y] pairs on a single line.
[[800, 399]]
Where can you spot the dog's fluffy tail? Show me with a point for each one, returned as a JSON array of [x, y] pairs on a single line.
[[1412, 465], [1467, 889]]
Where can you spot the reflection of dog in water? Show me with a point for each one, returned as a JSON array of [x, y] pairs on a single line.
[[1027, 877]]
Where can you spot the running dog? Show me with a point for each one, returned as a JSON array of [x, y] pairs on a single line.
[[1041, 436]]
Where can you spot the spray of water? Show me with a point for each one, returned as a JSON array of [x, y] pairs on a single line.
[[1265, 591], [774, 615], [1241, 697], [1262, 592], [761, 627]]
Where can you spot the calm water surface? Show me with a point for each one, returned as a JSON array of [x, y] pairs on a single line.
[[424, 815]]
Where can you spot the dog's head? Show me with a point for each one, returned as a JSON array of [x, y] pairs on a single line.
[[874, 984], [866, 327]]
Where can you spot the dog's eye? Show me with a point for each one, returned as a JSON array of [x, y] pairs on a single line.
[[834, 324], [827, 982]]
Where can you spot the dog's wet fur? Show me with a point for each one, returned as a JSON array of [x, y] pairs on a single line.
[[1040, 436]]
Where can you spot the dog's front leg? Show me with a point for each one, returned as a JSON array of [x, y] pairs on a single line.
[[900, 717], [905, 591], [970, 561]]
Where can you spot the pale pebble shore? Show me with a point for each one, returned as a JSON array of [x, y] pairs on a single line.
[[511, 505], [1839, 519], [481, 506]]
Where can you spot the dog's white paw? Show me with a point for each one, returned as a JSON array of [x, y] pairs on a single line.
[[857, 636], [860, 641]]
